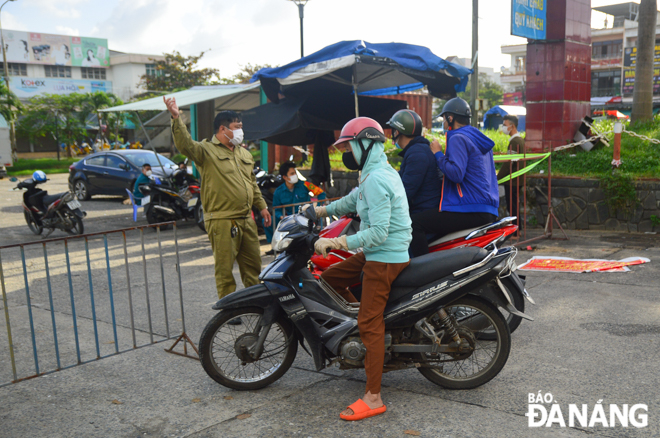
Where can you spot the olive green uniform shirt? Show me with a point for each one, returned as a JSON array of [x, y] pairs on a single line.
[[229, 187]]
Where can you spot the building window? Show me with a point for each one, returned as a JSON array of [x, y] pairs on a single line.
[[607, 49], [57, 71], [92, 73], [606, 83], [152, 70], [519, 64], [15, 69]]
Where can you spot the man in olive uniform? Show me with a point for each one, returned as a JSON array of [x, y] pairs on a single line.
[[229, 189]]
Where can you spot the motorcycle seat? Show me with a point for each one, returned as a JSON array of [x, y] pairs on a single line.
[[49, 199], [433, 266]]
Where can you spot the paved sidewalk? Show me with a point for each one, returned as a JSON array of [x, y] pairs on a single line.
[[595, 336]]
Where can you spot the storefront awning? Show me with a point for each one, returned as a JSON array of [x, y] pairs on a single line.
[[235, 97]]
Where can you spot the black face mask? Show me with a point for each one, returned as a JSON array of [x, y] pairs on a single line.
[[349, 161]]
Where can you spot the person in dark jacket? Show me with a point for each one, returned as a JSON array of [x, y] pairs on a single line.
[[469, 197], [420, 175]]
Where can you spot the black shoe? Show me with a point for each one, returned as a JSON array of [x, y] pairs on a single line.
[[235, 321], [271, 252]]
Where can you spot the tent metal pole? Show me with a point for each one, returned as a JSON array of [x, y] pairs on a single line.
[[355, 90], [137, 114], [263, 145]]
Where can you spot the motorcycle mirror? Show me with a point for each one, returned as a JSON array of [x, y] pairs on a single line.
[[13, 179], [310, 213], [261, 173], [291, 157]]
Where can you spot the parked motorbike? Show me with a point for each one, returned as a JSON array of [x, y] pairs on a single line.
[[481, 237], [61, 211], [437, 318], [171, 198]]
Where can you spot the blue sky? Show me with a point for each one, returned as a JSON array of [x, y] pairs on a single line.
[[267, 31]]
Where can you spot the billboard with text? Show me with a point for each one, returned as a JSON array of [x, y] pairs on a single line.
[[528, 18], [24, 88], [42, 48]]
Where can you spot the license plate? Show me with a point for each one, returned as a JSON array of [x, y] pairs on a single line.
[[145, 200], [192, 202], [73, 204]]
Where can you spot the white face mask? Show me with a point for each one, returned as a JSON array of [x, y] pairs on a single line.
[[504, 129], [148, 173], [238, 137], [293, 179]]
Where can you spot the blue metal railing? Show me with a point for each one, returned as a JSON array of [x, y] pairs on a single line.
[[76, 291]]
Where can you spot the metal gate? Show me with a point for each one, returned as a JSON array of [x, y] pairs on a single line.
[[78, 299]]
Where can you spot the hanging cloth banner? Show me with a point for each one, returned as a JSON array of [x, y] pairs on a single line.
[[566, 264], [518, 157]]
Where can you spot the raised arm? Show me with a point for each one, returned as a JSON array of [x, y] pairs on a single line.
[[182, 139]]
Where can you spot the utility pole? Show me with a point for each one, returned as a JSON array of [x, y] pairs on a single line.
[[474, 80], [301, 12]]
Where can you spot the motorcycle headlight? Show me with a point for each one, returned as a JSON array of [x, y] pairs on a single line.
[[67, 197], [280, 242]]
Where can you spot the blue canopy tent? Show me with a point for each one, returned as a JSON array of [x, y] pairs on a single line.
[[495, 116], [359, 67]]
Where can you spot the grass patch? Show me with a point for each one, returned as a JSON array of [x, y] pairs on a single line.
[[639, 158], [23, 167]]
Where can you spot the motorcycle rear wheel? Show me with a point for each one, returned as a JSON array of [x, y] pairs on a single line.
[[513, 321], [473, 315], [34, 226], [220, 343], [156, 217], [199, 216], [78, 227]]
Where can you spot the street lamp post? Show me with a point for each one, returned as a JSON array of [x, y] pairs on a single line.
[[301, 11], [12, 129]]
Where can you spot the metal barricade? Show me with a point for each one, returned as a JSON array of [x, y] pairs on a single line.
[[66, 303], [294, 206]]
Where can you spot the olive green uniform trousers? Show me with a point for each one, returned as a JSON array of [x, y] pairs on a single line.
[[242, 248]]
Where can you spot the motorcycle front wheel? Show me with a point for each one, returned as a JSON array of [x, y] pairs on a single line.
[[471, 316], [34, 226], [224, 349]]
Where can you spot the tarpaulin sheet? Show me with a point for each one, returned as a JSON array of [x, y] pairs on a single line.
[[369, 67], [567, 264]]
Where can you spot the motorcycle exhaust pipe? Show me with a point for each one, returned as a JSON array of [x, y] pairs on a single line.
[[166, 210]]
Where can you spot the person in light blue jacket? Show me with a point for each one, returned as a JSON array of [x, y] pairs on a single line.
[[384, 236]]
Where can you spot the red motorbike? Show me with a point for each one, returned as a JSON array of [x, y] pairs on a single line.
[[483, 237]]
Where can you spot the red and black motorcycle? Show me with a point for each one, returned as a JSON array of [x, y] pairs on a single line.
[[482, 237]]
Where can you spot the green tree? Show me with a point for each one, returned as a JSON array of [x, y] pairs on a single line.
[[61, 117], [95, 102], [487, 90], [10, 108], [177, 72], [244, 75]]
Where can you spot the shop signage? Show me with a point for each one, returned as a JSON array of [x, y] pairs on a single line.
[[528, 18], [24, 88]]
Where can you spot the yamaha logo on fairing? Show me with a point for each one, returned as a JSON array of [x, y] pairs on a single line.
[[424, 293], [287, 297]]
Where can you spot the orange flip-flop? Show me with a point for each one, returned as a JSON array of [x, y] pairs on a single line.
[[361, 410]]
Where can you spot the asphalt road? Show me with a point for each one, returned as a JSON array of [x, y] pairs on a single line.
[[595, 337]]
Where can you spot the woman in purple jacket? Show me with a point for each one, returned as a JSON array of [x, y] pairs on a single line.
[[469, 197]]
